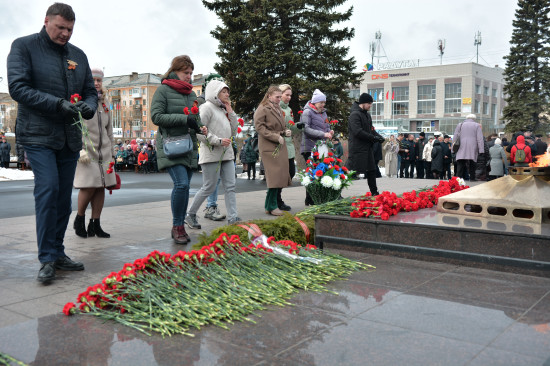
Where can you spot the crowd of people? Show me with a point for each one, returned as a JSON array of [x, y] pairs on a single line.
[[474, 157], [65, 131]]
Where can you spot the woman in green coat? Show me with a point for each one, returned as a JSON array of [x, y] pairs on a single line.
[[167, 112]]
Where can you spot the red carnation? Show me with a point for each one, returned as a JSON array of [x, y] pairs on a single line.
[[319, 173], [342, 176], [291, 123], [75, 98], [69, 308], [186, 110], [300, 112], [241, 121], [239, 130], [194, 109]]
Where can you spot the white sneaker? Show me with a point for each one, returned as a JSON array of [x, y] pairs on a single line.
[[213, 214]]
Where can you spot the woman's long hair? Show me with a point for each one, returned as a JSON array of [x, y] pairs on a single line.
[[272, 89], [179, 63]]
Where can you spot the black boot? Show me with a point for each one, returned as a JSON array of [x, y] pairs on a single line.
[[79, 226], [94, 228]]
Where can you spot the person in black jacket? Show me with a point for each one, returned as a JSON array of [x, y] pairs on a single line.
[[362, 136], [447, 157], [419, 151], [45, 71], [437, 160]]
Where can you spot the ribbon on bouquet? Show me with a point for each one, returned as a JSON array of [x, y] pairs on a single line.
[[258, 238]]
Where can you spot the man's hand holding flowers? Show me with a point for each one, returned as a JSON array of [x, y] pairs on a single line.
[[288, 133], [67, 109], [85, 110]]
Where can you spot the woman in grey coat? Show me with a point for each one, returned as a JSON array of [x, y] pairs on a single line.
[[498, 160]]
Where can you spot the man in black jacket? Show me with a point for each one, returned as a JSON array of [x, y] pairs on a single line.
[[45, 72], [419, 151], [362, 137]]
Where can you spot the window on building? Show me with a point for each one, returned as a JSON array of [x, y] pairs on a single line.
[[493, 110], [137, 101], [486, 90], [477, 107], [124, 103], [144, 113], [453, 98], [485, 108], [143, 90], [135, 91], [124, 92], [123, 114], [130, 102], [478, 89], [426, 99], [400, 100], [494, 93], [377, 108], [144, 102]]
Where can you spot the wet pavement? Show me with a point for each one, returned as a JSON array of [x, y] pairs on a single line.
[[405, 312]]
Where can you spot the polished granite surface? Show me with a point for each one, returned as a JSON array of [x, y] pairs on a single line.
[[404, 312]]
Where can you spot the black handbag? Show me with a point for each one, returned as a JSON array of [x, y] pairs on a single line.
[[177, 146], [456, 142]]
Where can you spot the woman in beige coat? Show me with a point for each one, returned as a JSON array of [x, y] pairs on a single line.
[[91, 175], [390, 160], [271, 129]]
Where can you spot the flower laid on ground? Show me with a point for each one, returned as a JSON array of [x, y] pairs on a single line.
[[223, 282], [325, 176], [388, 204]]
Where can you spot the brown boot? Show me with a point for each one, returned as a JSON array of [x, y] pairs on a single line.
[[179, 235]]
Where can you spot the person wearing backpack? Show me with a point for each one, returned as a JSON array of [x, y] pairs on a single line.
[[520, 154]]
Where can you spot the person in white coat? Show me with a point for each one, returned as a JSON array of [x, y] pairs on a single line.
[[217, 157], [427, 156]]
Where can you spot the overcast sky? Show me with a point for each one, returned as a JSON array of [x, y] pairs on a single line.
[[123, 36]]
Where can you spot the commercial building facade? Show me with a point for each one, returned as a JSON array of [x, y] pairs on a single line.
[[436, 98]]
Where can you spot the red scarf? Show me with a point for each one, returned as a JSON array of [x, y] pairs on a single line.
[[180, 86]]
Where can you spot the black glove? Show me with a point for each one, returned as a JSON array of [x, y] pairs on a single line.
[[67, 109], [300, 125], [192, 123], [85, 110]]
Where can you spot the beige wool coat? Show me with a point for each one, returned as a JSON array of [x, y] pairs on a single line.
[[270, 124], [91, 170]]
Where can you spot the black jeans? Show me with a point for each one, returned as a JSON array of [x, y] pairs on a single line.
[[370, 176], [420, 169], [404, 168], [251, 167], [469, 165], [412, 166]]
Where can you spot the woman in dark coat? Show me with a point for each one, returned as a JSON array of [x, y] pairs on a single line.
[[362, 137], [437, 160]]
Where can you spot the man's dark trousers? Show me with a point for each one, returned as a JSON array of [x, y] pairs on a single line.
[[404, 168], [53, 185], [420, 169]]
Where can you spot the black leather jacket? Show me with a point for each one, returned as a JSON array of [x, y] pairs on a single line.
[[38, 77]]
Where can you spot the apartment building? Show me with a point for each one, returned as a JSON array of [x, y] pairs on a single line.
[[8, 113]]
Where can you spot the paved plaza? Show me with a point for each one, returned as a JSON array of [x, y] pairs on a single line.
[[405, 312]]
